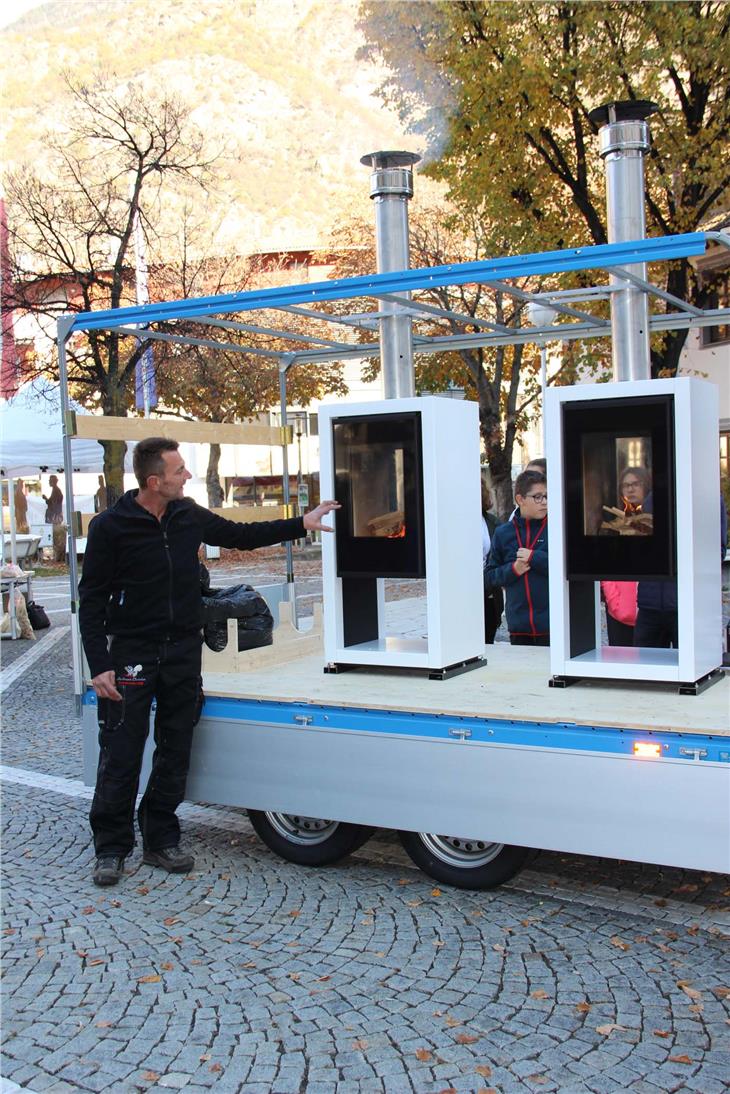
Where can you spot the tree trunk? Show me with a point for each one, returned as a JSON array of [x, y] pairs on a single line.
[[114, 452], [212, 481]]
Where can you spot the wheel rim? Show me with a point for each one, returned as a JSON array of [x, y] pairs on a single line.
[[459, 851], [306, 831]]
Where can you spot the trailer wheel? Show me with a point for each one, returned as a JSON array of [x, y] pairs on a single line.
[[308, 841], [464, 863]]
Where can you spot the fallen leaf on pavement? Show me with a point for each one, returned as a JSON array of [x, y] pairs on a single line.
[[153, 978], [484, 1070], [171, 920], [661, 1033], [451, 1021], [167, 966], [150, 1076], [322, 978], [103, 1025], [721, 992], [143, 890], [423, 1054], [215, 1067], [683, 1059], [538, 1079], [294, 913], [692, 993], [582, 1008], [435, 892], [539, 994], [359, 1046], [465, 1039], [620, 943], [606, 1030]]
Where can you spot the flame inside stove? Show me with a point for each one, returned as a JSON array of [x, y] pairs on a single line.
[[400, 534], [629, 508]]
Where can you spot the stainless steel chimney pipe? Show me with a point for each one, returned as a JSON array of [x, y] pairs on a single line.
[[391, 188], [624, 139]]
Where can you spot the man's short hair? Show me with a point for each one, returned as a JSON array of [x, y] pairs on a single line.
[[527, 479], [147, 459], [540, 462]]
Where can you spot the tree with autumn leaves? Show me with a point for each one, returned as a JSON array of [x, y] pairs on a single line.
[[502, 93], [130, 156]]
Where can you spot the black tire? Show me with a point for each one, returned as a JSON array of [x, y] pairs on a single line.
[[308, 841], [464, 863]]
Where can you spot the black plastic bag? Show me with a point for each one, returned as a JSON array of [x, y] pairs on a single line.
[[241, 602], [37, 616]]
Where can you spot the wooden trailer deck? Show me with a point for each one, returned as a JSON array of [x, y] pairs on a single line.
[[513, 685]]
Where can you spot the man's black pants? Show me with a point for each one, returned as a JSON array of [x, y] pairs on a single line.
[[170, 673]]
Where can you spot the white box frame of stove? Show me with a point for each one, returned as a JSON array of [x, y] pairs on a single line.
[[453, 539], [699, 578]]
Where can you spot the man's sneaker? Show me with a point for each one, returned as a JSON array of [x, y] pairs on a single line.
[[172, 859], [109, 869]]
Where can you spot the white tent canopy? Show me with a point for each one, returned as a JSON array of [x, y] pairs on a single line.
[[31, 434]]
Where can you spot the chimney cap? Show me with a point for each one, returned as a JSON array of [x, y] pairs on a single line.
[[378, 160], [624, 111]]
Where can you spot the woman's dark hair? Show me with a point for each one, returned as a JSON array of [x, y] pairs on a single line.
[[147, 459], [640, 473]]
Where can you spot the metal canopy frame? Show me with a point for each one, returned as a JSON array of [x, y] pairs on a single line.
[[159, 321]]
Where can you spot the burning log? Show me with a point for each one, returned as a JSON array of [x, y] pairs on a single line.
[[629, 522]]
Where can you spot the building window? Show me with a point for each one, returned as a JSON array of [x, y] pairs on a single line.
[[725, 455], [718, 296]]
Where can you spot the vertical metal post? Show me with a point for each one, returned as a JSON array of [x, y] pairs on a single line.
[[283, 368], [624, 142], [64, 326], [391, 188]]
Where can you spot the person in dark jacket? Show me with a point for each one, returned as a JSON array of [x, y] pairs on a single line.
[[140, 617], [657, 620], [493, 595], [518, 561]]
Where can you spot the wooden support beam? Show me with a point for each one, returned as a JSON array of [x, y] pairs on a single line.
[[98, 427], [241, 514]]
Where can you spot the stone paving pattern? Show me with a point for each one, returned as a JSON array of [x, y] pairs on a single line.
[[258, 976]]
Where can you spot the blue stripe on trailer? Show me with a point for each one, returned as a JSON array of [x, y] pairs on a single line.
[[603, 256], [551, 735]]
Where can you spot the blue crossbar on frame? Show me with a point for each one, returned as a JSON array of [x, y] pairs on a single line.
[[602, 257]]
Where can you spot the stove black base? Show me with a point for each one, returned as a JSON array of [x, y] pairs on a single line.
[[445, 673]]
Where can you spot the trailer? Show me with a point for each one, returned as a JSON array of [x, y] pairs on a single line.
[[473, 770]]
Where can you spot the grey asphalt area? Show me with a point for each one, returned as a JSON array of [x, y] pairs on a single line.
[[254, 975]]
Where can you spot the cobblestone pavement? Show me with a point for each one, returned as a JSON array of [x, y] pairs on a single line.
[[258, 976]]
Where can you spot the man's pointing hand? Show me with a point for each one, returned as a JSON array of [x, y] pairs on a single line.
[[313, 519]]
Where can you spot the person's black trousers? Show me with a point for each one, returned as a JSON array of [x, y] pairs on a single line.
[[170, 673], [656, 628], [529, 639], [619, 634]]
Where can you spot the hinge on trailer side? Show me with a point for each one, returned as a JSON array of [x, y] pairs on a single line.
[[694, 753], [303, 719], [460, 732]]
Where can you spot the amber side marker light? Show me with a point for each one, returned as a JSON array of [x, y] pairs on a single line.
[[647, 750]]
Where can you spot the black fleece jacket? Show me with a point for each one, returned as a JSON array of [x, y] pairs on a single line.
[[141, 575]]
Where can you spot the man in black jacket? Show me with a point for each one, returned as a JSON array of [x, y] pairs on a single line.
[[140, 617]]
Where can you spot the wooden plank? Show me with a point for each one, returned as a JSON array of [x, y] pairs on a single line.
[[253, 514], [513, 685], [289, 645], [105, 427], [239, 514]]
